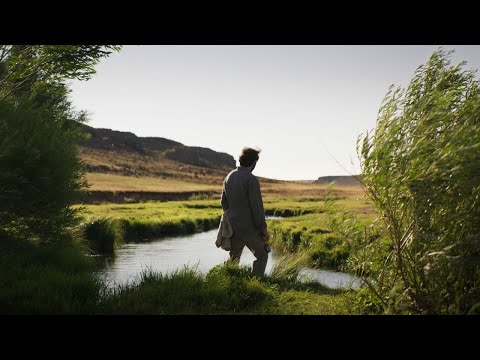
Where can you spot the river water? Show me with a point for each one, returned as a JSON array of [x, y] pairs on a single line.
[[199, 250]]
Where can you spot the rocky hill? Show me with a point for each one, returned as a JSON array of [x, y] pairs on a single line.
[[118, 152], [118, 140]]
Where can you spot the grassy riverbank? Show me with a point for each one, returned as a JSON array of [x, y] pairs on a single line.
[[332, 237], [226, 289], [40, 279], [108, 226], [328, 229], [45, 279]]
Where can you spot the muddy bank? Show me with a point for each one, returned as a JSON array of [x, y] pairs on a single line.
[[122, 197]]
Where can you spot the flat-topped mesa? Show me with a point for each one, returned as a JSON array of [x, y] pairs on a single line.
[[345, 180]]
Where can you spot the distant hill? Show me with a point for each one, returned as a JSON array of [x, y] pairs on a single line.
[[114, 152], [124, 153], [339, 180], [124, 168], [114, 140]]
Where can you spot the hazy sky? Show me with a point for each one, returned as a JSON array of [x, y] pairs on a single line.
[[304, 106]]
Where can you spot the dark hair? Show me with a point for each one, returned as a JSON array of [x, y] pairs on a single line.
[[248, 156]]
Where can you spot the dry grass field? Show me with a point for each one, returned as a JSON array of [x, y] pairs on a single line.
[[112, 182], [277, 189]]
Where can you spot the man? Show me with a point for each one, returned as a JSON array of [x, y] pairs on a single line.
[[242, 197]]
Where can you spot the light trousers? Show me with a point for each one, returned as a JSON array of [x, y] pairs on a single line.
[[256, 245]]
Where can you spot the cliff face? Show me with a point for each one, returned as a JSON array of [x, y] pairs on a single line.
[[203, 157], [113, 151]]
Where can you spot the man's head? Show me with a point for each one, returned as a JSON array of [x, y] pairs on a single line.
[[249, 157]]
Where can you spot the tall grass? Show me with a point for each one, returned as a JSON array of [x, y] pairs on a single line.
[[421, 169], [104, 235], [53, 279], [59, 279], [226, 289], [331, 238], [288, 267], [109, 225]]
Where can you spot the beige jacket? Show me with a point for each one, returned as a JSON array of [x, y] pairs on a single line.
[[225, 232], [242, 197]]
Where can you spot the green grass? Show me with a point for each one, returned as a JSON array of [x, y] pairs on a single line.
[[39, 279], [226, 289], [155, 211], [110, 225], [59, 280], [54, 279], [173, 210], [308, 303], [330, 233], [307, 225], [311, 233], [104, 235], [287, 207]]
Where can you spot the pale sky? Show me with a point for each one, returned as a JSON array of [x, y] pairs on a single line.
[[304, 106]]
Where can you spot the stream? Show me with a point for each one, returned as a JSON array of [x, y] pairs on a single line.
[[198, 250]]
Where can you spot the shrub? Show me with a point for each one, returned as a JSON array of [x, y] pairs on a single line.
[[103, 235], [421, 170], [40, 173]]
